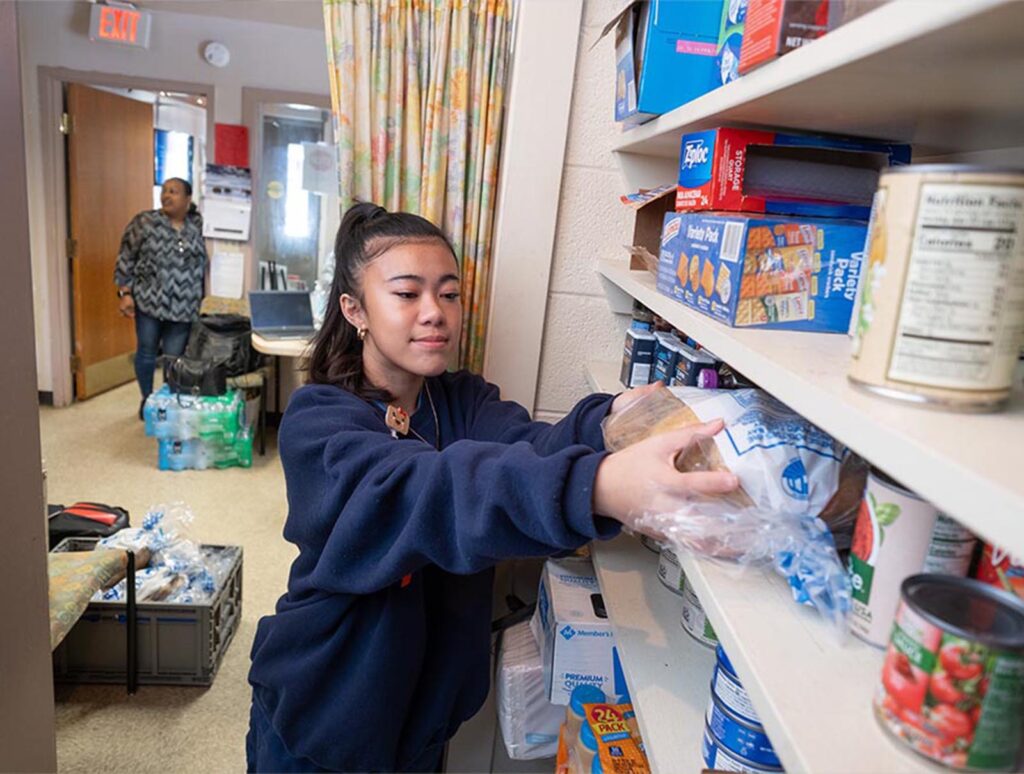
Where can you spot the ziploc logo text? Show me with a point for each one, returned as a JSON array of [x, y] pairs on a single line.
[[695, 153]]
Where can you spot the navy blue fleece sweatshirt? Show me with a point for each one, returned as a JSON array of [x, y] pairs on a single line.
[[364, 668]]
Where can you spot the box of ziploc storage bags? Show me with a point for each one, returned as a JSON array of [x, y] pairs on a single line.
[[763, 271], [572, 629]]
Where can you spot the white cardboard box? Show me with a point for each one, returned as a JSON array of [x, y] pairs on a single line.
[[573, 632]]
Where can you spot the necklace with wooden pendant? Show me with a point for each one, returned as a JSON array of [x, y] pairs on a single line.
[[398, 421], [397, 418]]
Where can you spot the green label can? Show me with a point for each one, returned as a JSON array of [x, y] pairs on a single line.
[[953, 678]]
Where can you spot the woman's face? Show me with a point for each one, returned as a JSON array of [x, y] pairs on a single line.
[[410, 309], [173, 199]]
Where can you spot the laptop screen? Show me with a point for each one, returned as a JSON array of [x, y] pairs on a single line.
[[280, 309]]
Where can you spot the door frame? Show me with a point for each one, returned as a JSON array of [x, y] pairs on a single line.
[[54, 164], [253, 99]]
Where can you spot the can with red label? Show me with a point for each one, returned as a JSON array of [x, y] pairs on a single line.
[[998, 568], [953, 678]]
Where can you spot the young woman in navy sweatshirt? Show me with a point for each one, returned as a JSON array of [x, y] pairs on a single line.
[[379, 650]]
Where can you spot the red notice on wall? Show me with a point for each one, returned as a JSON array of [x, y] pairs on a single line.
[[231, 145]]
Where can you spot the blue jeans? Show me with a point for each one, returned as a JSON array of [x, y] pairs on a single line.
[[154, 336]]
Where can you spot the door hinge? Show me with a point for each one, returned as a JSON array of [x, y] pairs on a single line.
[[76, 363], [72, 247], [67, 123]]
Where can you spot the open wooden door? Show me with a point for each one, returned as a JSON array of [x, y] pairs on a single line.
[[110, 180]]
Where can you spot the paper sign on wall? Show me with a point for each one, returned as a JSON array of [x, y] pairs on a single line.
[[319, 167], [227, 271]]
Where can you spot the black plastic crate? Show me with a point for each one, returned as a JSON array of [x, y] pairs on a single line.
[[178, 644]]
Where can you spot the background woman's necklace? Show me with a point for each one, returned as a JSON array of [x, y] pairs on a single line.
[[397, 419]]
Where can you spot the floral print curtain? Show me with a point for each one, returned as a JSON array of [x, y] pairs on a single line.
[[418, 95]]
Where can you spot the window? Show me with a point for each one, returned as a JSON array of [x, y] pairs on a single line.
[[296, 208]]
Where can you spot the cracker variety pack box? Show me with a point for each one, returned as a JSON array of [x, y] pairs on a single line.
[[763, 271]]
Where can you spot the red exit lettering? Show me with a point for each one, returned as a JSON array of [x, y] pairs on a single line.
[[120, 24]]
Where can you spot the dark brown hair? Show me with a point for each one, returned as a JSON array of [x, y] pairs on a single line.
[[366, 232]]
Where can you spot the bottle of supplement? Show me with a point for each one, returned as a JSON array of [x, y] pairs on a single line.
[[643, 318], [722, 379], [574, 715], [586, 749]]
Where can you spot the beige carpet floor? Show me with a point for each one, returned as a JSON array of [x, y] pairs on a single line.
[[96, 450]]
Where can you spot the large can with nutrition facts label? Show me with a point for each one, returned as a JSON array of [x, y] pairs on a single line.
[[940, 312]]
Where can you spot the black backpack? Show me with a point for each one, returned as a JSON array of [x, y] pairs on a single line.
[[225, 339], [94, 520]]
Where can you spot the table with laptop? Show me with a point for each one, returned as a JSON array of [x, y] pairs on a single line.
[[282, 326]]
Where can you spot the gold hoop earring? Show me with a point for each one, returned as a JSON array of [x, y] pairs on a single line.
[[361, 333]]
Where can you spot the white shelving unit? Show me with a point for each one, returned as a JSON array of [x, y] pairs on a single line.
[[944, 76], [969, 465], [669, 673], [813, 693]]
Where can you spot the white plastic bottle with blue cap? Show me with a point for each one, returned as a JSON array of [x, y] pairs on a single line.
[[574, 716], [584, 751]]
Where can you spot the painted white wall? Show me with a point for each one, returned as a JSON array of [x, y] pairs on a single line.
[[592, 224], [55, 34]]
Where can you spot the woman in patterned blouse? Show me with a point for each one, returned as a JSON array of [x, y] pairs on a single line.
[[159, 276]]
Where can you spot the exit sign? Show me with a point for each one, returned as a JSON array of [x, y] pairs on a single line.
[[120, 24]]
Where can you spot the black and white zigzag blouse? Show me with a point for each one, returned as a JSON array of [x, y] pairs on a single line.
[[163, 266]]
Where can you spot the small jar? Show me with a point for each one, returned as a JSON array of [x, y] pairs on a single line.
[[574, 715]]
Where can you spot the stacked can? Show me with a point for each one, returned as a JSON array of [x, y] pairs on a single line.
[[734, 739], [695, 621], [670, 571]]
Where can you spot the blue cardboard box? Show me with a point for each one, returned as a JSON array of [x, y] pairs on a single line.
[[763, 271], [668, 52]]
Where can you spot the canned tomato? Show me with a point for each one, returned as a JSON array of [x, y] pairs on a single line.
[[718, 758], [951, 548], [998, 568], [726, 686], [742, 739], [695, 622], [953, 678], [890, 542], [670, 572], [940, 313]]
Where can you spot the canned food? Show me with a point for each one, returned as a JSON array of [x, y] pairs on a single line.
[[695, 622], [890, 542], [998, 568], [953, 678], [670, 572], [951, 548], [726, 686], [941, 309], [742, 739], [718, 758]]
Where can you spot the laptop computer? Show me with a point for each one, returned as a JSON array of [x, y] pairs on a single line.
[[281, 314]]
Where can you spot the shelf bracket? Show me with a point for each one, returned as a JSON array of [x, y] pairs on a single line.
[[619, 300]]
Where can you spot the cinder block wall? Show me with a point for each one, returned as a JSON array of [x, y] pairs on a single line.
[[592, 225]]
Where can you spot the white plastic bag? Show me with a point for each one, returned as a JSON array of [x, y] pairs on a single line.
[[529, 722], [789, 471]]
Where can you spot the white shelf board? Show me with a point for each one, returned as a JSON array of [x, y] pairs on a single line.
[[970, 465], [812, 691], [945, 76], [667, 671]]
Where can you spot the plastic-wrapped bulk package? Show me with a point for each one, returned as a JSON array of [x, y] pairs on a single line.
[[529, 722]]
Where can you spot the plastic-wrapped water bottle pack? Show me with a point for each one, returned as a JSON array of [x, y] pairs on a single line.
[[179, 570]]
